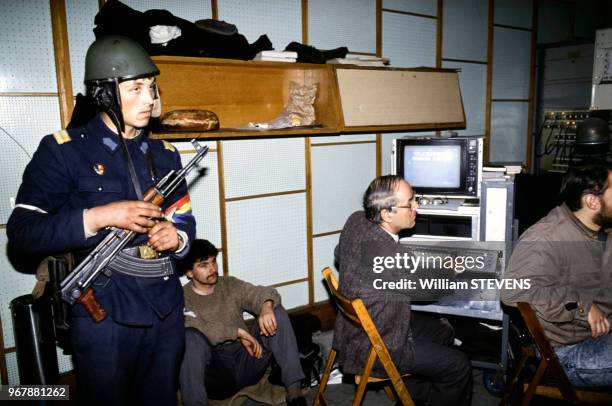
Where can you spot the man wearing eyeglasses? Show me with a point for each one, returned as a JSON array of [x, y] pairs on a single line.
[[419, 345], [567, 257]]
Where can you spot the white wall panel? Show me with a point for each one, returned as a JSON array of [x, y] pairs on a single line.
[[323, 256], [473, 84], [516, 13], [349, 23], [280, 20], [26, 120], [511, 63], [387, 146], [508, 132], [204, 195], [190, 10], [254, 167], [266, 239], [80, 16], [464, 35], [343, 138], [294, 295], [409, 41], [27, 63], [340, 175], [428, 7], [11, 365]]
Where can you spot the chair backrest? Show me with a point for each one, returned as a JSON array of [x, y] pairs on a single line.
[[546, 350], [345, 305]]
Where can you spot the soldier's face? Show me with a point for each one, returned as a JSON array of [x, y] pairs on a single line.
[[205, 272], [137, 102]]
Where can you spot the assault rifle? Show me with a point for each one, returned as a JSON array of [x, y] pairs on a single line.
[[76, 287]]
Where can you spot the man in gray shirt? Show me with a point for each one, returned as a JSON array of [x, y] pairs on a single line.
[[222, 355]]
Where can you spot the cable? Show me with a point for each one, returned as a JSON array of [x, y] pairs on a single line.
[[16, 142]]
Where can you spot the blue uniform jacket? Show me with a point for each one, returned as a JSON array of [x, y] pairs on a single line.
[[83, 169]]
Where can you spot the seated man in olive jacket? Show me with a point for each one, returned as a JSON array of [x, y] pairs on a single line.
[[222, 355]]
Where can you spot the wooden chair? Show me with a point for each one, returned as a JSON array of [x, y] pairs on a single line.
[[556, 385], [356, 312]]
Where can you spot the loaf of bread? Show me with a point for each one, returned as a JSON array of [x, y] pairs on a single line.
[[190, 120]]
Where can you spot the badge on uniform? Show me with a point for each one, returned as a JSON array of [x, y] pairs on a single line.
[[100, 169], [147, 252]]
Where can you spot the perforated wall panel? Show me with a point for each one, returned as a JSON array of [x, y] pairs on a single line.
[[280, 20], [387, 145], [473, 84], [64, 362], [263, 166], [27, 63], [11, 365], [340, 175], [427, 7], [190, 10], [349, 23], [323, 256], [80, 22], [12, 284], [508, 132], [511, 61], [464, 35], [343, 138], [23, 121], [204, 195], [267, 239], [409, 41], [294, 295], [516, 13]]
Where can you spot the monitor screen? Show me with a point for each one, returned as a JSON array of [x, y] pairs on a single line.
[[433, 166]]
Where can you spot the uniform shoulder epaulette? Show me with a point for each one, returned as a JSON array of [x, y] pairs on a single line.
[[61, 137], [168, 146]]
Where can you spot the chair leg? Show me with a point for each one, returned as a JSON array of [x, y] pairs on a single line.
[[364, 378], [390, 394], [326, 373], [512, 383], [534, 383]]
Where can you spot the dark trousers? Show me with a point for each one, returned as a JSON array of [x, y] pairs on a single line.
[[441, 374], [119, 365], [222, 370]]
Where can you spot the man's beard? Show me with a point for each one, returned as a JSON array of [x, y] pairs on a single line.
[[604, 217]]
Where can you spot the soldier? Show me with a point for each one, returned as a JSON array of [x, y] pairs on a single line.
[[86, 179]]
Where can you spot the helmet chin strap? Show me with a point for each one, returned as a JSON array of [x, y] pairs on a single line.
[[117, 116], [117, 119]]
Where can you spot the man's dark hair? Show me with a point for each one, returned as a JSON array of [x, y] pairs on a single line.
[[200, 250], [379, 195], [581, 180]]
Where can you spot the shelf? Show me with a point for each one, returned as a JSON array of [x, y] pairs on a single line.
[[225, 133], [350, 99], [240, 92]]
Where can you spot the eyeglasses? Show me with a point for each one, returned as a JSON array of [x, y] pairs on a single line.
[[410, 204]]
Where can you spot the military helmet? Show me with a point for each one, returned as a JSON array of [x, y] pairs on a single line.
[[117, 57]]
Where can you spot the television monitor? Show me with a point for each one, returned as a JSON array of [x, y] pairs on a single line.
[[447, 167]]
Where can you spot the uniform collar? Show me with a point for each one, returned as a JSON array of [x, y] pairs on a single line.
[[110, 140]]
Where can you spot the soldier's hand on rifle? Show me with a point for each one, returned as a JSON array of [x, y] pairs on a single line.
[[163, 236], [134, 215]]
